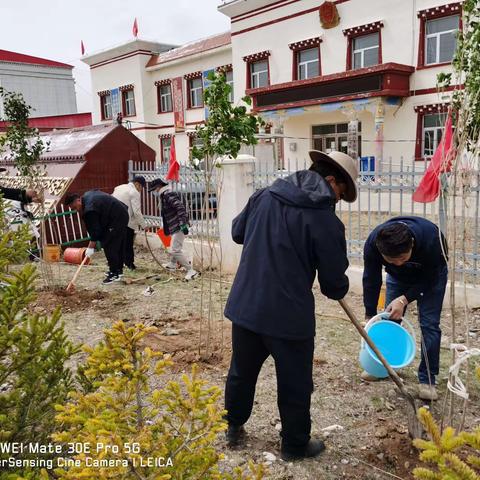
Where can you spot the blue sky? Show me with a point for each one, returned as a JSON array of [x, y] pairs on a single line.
[[54, 28]]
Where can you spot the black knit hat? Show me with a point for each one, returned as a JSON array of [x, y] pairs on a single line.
[[158, 182]]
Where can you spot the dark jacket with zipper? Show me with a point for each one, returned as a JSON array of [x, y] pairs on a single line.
[[420, 273], [16, 194], [103, 214], [289, 233], [174, 214]]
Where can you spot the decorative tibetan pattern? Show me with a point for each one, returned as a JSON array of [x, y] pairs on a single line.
[[189, 76], [103, 93], [441, 10], [192, 133], [257, 56], [53, 187], [124, 88], [311, 42], [432, 108], [165, 135], [165, 81], [361, 29], [225, 68]]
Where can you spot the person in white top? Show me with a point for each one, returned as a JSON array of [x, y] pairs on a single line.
[[129, 194]]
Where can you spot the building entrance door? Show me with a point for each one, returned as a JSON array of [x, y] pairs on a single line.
[[328, 138]]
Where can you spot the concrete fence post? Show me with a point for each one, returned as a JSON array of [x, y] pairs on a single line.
[[234, 192]]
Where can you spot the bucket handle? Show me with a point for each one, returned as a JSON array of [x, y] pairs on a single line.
[[385, 316]]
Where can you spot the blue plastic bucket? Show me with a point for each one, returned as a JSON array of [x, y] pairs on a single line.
[[395, 343]]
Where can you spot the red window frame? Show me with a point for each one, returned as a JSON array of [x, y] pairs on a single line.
[[253, 58], [361, 31], [300, 47], [159, 102], [124, 103], [421, 111], [189, 87], [162, 140], [433, 13]]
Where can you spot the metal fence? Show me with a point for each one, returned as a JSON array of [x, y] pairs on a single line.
[[388, 194], [198, 195]]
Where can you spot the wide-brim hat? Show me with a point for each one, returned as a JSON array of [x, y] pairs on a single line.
[[346, 164], [157, 182]]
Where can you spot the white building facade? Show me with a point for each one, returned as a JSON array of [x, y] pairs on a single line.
[[160, 89], [46, 85], [352, 75]]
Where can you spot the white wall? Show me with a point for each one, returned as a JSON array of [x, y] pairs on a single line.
[[48, 90]]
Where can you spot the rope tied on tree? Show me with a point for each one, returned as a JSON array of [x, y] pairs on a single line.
[[455, 384]]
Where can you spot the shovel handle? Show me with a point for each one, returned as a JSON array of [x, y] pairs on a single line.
[[393, 375], [72, 281]]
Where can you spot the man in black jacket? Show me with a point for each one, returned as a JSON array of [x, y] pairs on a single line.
[[106, 219], [414, 254], [290, 233]]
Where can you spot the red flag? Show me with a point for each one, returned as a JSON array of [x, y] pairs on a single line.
[[135, 28], [82, 46], [174, 167], [441, 162]]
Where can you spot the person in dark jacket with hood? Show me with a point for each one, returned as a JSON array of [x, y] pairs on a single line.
[[414, 254], [290, 233], [106, 219]]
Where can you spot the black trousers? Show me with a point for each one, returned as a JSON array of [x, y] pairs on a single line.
[[129, 239], [293, 365], [114, 247]]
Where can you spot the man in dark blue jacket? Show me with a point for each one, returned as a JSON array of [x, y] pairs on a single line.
[[413, 252], [290, 233], [106, 219]]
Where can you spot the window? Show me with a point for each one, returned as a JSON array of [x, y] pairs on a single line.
[[165, 144], [165, 98], [433, 125], [128, 103], [308, 63], [229, 78], [195, 93], [106, 106], [440, 39], [327, 138], [366, 50], [258, 74]]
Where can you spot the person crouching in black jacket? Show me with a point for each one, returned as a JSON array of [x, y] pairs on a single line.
[[290, 234], [106, 219]]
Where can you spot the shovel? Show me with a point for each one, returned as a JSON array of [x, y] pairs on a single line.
[[415, 429], [73, 280]]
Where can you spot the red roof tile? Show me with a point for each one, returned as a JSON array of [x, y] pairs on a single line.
[[7, 56], [191, 48]]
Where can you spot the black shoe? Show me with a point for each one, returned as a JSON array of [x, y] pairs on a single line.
[[110, 278], [234, 435], [313, 449], [131, 266]]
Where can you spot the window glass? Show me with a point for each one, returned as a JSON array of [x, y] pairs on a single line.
[[259, 74], [308, 64], [129, 103], [441, 39], [166, 143], [365, 41], [442, 24], [229, 78], [196, 92], [165, 98], [366, 50], [433, 125]]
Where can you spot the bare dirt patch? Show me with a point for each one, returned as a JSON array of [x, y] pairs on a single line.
[[369, 439]]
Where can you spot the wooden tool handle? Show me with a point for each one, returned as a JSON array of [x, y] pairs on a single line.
[[394, 376], [72, 281]]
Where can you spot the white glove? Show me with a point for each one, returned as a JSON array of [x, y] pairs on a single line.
[[89, 252]]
